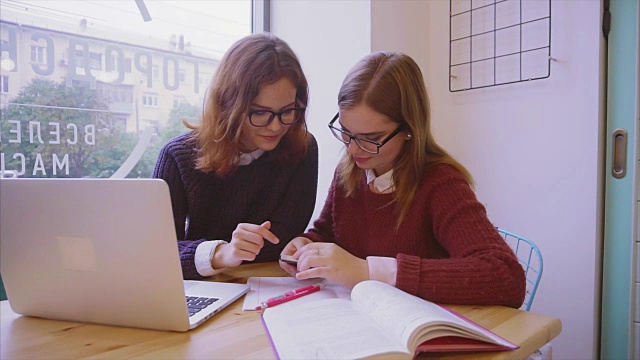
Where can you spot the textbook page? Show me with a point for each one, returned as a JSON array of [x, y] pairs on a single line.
[[328, 329], [404, 315]]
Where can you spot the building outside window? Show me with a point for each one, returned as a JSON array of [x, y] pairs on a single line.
[[143, 79], [4, 84]]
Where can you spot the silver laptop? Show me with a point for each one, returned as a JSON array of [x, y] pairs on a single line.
[[100, 251]]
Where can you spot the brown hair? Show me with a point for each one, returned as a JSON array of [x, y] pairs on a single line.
[[391, 83], [250, 63]]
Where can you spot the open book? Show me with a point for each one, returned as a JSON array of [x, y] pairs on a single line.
[[378, 322]]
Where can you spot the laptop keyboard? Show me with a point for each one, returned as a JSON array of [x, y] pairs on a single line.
[[196, 304]]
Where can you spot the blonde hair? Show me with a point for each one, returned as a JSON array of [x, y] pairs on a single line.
[[391, 83], [250, 63]]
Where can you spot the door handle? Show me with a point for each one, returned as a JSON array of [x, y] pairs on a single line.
[[619, 154]]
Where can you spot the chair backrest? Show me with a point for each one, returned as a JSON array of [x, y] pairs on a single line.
[[530, 258]]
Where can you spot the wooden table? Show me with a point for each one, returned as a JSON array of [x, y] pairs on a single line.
[[231, 334]]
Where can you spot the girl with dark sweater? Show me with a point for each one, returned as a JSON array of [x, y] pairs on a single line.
[[243, 181], [400, 209]]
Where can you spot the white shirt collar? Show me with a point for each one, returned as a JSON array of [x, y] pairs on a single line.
[[382, 184], [248, 158]]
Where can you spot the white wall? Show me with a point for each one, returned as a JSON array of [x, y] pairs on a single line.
[[329, 37], [399, 25], [533, 149]]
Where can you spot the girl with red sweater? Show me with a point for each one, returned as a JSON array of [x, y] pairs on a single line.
[[400, 209]]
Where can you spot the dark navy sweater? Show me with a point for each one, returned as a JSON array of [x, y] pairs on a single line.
[[208, 207]]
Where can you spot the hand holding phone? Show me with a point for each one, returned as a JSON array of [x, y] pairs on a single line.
[[289, 259]]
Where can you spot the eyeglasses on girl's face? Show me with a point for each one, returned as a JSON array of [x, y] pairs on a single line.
[[262, 118], [370, 146]]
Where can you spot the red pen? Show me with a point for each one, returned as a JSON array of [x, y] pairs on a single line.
[[288, 296]]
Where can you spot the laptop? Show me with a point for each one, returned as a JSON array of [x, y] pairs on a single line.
[[100, 251]]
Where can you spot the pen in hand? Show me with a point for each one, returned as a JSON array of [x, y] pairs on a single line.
[[288, 296]]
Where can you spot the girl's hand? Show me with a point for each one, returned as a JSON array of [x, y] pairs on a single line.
[[246, 242], [331, 262], [292, 247]]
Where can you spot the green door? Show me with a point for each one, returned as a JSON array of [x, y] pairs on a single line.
[[618, 265]]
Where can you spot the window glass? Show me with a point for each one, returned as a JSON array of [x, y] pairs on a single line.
[[91, 89]]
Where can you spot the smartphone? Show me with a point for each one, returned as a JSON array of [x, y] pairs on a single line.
[[288, 259]]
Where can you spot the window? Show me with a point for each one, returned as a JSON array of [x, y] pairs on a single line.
[[204, 79], [154, 125], [95, 60], [110, 64], [5, 56], [4, 84], [127, 65], [38, 54], [120, 123], [129, 89], [115, 93], [179, 99], [155, 71], [150, 100]]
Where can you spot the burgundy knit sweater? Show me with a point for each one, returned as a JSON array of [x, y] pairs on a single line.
[[447, 249], [208, 207]]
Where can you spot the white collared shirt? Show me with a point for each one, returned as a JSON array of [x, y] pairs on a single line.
[[382, 184], [205, 250], [383, 269], [248, 158]]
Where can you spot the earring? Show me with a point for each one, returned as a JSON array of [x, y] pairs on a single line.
[[409, 136]]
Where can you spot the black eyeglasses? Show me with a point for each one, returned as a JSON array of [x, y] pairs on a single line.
[[370, 146], [262, 118]]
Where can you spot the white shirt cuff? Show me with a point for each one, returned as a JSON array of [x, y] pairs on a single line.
[[204, 255], [383, 269]]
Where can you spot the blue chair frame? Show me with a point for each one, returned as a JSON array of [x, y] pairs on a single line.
[[530, 258]]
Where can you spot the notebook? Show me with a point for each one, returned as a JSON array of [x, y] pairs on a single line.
[[100, 251]]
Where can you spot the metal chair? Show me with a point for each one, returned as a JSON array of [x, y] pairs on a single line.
[[530, 258]]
